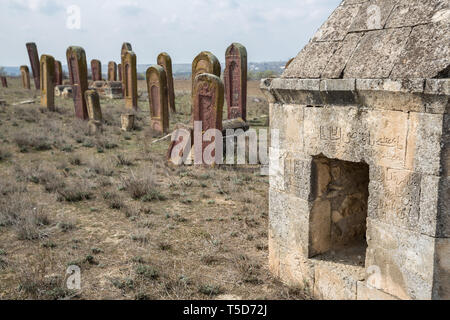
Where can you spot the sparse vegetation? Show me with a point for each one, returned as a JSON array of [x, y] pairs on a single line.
[[138, 228]]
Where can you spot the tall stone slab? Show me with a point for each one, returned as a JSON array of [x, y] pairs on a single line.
[[112, 71], [119, 71], [208, 101], [130, 79], [125, 48], [25, 75], [205, 62], [158, 100], [47, 72], [4, 82], [34, 62], [165, 61], [76, 61], [96, 69], [94, 111], [58, 73], [236, 81]]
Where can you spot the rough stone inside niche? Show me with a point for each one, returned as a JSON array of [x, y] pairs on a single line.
[[339, 212]]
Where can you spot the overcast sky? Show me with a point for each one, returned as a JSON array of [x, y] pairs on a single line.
[[272, 30]]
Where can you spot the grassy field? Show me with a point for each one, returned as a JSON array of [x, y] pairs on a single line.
[[137, 228]]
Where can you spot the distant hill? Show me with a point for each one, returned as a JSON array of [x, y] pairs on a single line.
[[180, 70]]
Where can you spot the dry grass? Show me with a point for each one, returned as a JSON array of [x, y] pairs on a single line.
[[137, 228]]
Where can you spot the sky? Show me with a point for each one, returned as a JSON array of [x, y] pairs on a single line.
[[271, 30]]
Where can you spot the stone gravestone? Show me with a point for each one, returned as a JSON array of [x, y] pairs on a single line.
[[130, 79], [165, 61], [58, 73], [125, 48], [47, 72], [76, 61], [94, 111], [119, 71], [112, 71], [96, 69], [208, 106], [157, 95], [205, 62], [236, 81], [25, 73], [4, 82], [34, 61]]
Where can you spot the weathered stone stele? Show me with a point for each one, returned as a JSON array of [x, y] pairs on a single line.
[[4, 82], [360, 155], [34, 62], [119, 71], [157, 95], [165, 61], [130, 80], [25, 75], [112, 71], [125, 48], [207, 109], [76, 61], [96, 70], [235, 80], [94, 111], [58, 73], [47, 72], [205, 62]]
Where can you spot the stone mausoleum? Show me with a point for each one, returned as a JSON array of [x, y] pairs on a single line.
[[360, 184]]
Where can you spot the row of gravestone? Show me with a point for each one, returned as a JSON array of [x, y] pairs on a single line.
[[208, 90]]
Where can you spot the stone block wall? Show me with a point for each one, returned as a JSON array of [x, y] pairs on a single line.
[[400, 131]]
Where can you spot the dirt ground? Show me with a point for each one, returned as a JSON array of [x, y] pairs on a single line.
[[110, 204]]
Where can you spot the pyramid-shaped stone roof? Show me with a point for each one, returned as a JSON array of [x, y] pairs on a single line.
[[379, 39]]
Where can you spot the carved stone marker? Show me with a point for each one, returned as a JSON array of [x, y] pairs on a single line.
[[119, 71], [205, 62], [165, 61], [76, 61], [130, 79], [25, 74], [4, 82], [127, 121], [96, 69], [94, 111], [125, 48], [47, 82], [34, 61], [112, 71], [58, 73], [208, 105], [236, 81], [157, 95]]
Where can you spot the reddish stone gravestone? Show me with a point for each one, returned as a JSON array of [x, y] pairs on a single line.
[[47, 82], [205, 62], [235, 81], [4, 82], [125, 48], [157, 95], [208, 107], [165, 61], [58, 73], [112, 71], [119, 71], [34, 61], [76, 61], [130, 80], [96, 70], [25, 75]]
